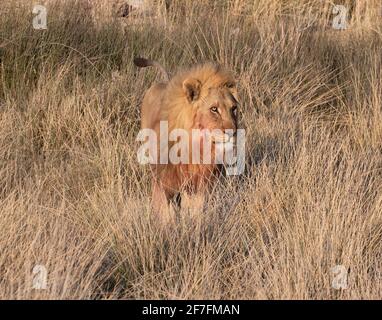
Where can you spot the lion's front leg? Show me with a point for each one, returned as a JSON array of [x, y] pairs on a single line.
[[161, 203]]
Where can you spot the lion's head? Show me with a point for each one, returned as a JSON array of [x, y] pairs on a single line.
[[204, 97]]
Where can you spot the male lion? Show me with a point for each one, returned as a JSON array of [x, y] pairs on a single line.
[[202, 97]]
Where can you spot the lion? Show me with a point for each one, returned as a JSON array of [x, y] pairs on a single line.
[[202, 97]]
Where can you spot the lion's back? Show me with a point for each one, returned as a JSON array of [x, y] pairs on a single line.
[[151, 105]]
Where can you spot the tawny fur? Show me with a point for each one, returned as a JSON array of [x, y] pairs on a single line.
[[184, 101]]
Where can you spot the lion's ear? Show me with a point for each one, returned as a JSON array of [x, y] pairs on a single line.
[[192, 88]]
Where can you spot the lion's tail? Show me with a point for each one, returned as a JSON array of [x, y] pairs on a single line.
[[142, 63]]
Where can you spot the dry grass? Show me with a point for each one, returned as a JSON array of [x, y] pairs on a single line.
[[74, 199]]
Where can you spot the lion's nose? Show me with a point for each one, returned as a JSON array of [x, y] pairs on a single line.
[[231, 131]]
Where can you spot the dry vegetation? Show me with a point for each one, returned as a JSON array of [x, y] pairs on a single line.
[[74, 199]]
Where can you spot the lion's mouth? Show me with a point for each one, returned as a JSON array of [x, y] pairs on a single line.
[[223, 139]]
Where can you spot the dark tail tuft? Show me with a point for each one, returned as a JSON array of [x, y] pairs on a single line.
[[141, 62]]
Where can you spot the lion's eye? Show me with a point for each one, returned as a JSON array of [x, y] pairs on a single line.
[[214, 109]]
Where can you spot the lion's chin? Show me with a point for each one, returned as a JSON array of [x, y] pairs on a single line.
[[226, 145], [223, 138]]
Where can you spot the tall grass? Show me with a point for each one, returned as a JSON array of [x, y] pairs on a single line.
[[74, 199]]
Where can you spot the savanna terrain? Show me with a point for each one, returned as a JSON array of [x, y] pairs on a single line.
[[75, 202]]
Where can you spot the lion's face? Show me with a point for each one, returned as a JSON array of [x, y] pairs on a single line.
[[215, 108], [217, 111]]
